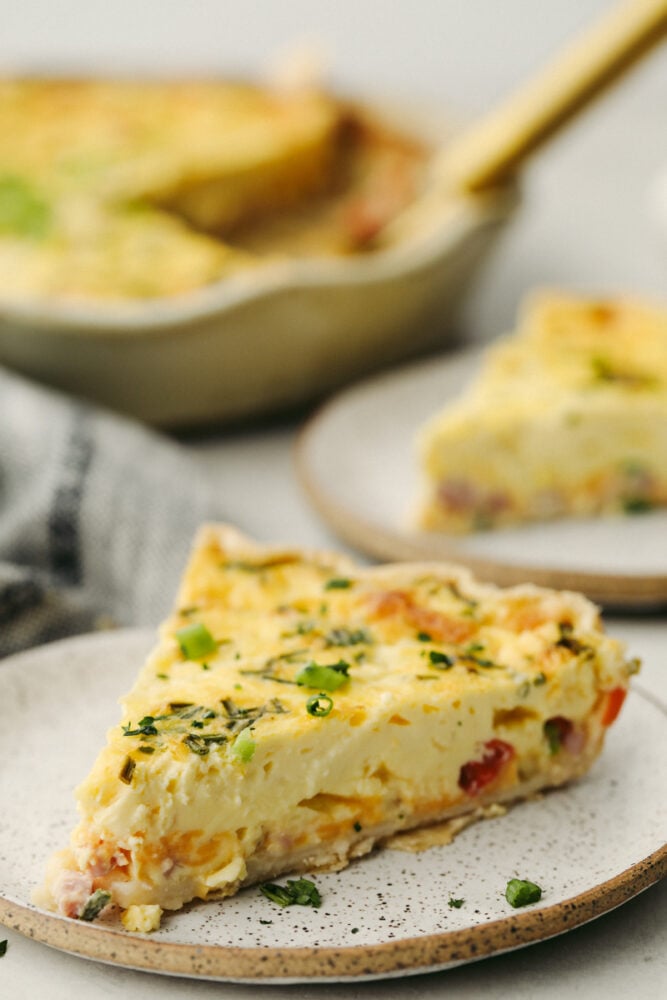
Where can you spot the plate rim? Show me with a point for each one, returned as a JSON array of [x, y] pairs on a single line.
[[341, 963], [627, 591], [406, 956]]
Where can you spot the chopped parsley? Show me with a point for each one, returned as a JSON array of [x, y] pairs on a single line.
[[455, 904], [195, 641], [338, 583], [299, 892], [423, 636], [319, 705], [3, 948], [95, 904], [327, 678], [520, 892]]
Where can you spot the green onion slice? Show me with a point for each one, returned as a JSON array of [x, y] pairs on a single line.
[[520, 892], [95, 904], [195, 641], [326, 678], [319, 705]]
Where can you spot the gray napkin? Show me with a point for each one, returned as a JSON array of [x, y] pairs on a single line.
[[97, 515]]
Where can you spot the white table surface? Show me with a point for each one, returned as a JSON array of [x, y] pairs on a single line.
[[586, 224]]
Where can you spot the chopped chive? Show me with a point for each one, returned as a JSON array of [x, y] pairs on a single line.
[[424, 636], [195, 641], [358, 827], [95, 904], [319, 705], [520, 892], [126, 771], [540, 678], [146, 749]]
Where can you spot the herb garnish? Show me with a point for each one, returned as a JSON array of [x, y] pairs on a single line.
[[348, 637], [424, 636], [95, 904], [127, 770], [319, 705], [520, 892], [195, 641], [3, 948], [568, 641], [441, 661], [338, 583], [455, 904], [145, 727], [300, 892], [326, 677]]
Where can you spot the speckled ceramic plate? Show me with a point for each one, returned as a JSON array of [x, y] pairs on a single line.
[[590, 847], [356, 460]]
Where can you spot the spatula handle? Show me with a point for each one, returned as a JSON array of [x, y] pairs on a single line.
[[492, 150]]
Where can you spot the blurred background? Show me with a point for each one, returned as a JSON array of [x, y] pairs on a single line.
[[588, 220]]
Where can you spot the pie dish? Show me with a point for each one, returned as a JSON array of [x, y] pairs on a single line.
[[175, 307]]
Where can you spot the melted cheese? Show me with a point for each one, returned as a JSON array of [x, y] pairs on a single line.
[[441, 699]]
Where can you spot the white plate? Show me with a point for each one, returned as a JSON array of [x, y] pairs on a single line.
[[590, 847], [356, 459]]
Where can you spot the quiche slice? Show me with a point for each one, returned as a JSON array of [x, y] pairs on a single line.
[[298, 709], [567, 417]]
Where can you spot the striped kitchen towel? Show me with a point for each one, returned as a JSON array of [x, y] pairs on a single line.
[[97, 515]]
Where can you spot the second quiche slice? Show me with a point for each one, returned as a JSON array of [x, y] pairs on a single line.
[[568, 416], [298, 709]]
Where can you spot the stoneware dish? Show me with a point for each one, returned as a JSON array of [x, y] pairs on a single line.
[[278, 335], [590, 847]]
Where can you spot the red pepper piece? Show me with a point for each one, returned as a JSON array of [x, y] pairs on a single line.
[[476, 774], [613, 704]]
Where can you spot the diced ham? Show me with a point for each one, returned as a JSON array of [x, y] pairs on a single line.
[[440, 627], [72, 891]]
